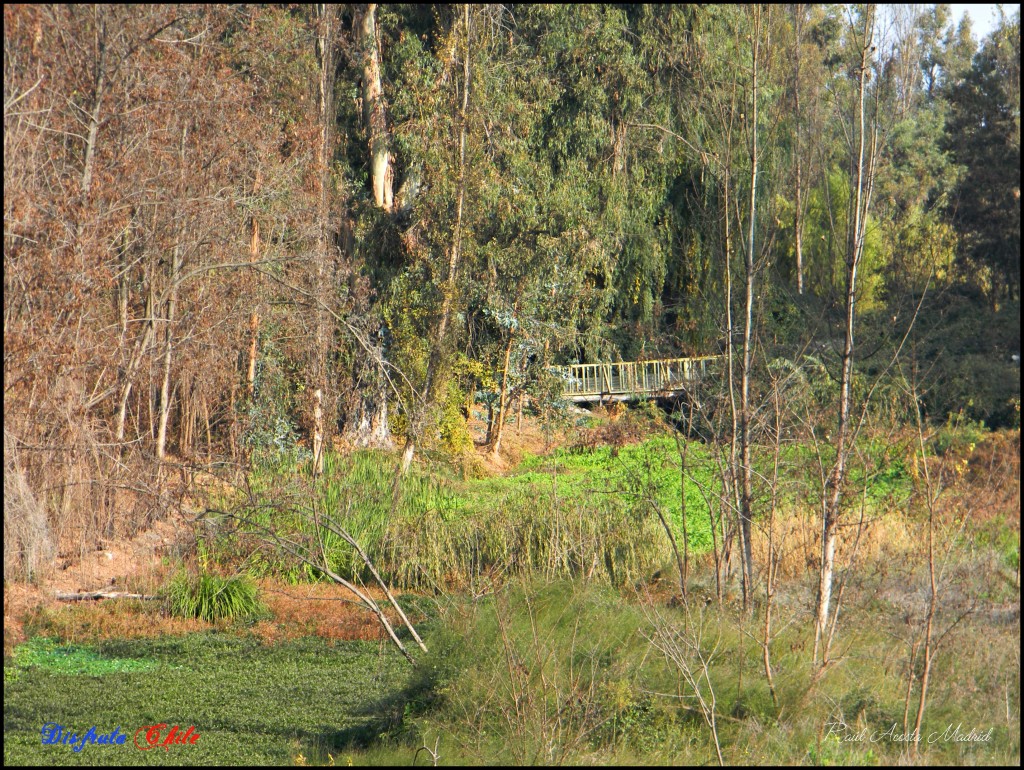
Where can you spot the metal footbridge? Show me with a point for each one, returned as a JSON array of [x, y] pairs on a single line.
[[626, 380]]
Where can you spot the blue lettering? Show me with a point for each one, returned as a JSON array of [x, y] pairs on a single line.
[[89, 737], [53, 733]]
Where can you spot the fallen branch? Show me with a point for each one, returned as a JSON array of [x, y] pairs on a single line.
[[86, 595]]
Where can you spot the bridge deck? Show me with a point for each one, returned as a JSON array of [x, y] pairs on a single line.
[[631, 379]]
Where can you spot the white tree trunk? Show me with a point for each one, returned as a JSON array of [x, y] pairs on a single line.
[[746, 481], [165, 384], [855, 248], [374, 113]]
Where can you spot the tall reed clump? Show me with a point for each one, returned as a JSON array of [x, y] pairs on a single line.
[[443, 533], [594, 520], [211, 597], [524, 532]]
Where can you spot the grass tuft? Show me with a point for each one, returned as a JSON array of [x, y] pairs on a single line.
[[210, 597]]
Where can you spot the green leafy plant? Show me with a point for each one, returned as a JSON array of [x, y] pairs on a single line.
[[211, 597]]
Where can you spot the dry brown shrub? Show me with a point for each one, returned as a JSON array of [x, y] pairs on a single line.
[[798, 541], [28, 542]]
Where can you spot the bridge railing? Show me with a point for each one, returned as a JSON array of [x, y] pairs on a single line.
[[623, 378]]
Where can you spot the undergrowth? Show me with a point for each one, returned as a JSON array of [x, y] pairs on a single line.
[[572, 515], [586, 512], [567, 673]]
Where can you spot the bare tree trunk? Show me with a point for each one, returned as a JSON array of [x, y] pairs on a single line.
[[367, 426], [929, 651], [798, 226], [172, 305], [381, 170], [187, 417], [746, 492], [165, 384], [855, 245], [370, 427], [499, 423], [773, 549], [798, 217], [131, 370], [495, 438], [233, 424], [325, 51], [254, 317], [729, 477], [209, 433], [434, 362], [94, 115]]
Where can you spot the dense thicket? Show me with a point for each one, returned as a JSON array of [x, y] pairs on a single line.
[[229, 228]]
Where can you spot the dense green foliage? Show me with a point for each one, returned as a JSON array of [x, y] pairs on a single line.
[[208, 193], [228, 234], [583, 511], [69, 660], [250, 250]]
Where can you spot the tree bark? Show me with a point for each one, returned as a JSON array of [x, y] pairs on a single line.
[[143, 344], [499, 424], [254, 317], [495, 438], [798, 217], [729, 477], [172, 305], [374, 113], [746, 491], [325, 51], [434, 362], [370, 426], [165, 384], [94, 115], [94, 595], [798, 226]]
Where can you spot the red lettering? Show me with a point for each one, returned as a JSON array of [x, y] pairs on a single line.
[[152, 736], [170, 737], [176, 737]]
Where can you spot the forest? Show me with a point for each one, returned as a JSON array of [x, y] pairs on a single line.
[[289, 290]]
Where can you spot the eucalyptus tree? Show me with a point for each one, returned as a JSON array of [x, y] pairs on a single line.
[[436, 93]]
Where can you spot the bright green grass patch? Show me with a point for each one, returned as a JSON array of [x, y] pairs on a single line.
[[70, 660], [250, 703]]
